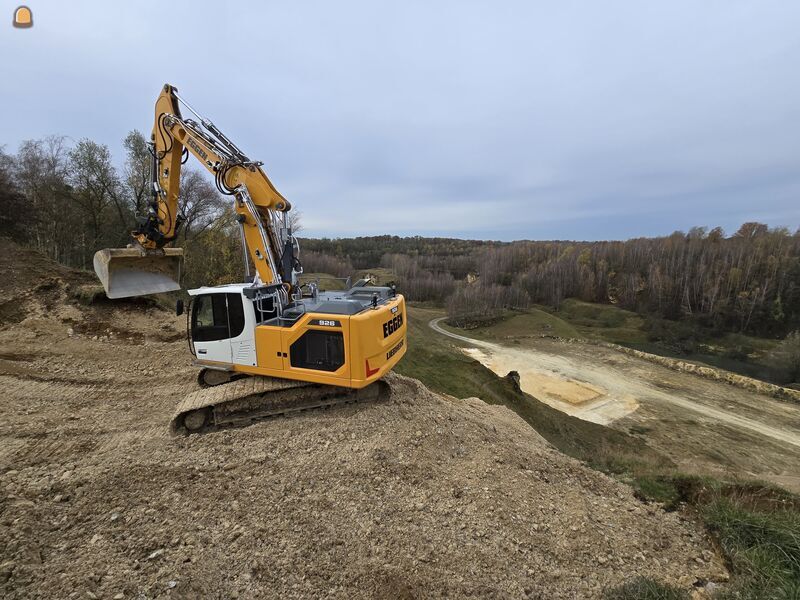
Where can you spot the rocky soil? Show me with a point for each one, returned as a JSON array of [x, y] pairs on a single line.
[[415, 496]]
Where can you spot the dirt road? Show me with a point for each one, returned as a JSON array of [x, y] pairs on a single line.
[[559, 373]]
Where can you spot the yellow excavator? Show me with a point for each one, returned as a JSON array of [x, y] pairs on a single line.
[[268, 346]]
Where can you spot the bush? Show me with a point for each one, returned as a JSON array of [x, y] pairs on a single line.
[[680, 337], [786, 357], [474, 305]]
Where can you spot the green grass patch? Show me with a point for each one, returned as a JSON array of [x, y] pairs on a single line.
[[650, 487], [604, 322], [328, 282], [515, 325], [756, 526], [575, 319], [762, 548], [379, 275], [645, 588]]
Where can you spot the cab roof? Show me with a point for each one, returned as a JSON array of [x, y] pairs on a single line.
[[229, 288]]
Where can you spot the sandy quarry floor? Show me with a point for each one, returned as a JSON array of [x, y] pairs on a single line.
[[417, 496], [703, 425], [555, 380]]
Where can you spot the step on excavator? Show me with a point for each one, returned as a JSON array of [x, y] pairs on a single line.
[[267, 346]]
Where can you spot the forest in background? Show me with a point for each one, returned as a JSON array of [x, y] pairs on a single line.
[[68, 200], [747, 282]]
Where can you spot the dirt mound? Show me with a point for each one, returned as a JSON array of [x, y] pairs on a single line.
[[31, 282], [40, 292], [416, 496], [24, 269]]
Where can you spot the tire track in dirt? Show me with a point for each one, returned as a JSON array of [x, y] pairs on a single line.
[[613, 380]]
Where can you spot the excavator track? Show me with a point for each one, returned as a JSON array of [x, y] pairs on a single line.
[[244, 401]]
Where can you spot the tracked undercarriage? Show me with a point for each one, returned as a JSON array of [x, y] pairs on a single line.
[[243, 401]]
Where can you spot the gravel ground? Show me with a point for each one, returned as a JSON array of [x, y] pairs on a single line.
[[415, 496]]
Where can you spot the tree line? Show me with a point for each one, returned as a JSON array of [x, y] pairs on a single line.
[[748, 281], [69, 200]]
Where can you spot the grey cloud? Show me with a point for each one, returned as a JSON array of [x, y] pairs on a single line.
[[514, 120]]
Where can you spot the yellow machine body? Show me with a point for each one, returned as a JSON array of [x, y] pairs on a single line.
[[366, 354], [345, 350]]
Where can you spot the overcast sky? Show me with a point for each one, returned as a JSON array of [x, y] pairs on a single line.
[[502, 120]]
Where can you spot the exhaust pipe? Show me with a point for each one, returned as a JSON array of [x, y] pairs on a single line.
[[127, 272]]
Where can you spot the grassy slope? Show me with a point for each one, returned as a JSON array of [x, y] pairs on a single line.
[[575, 319], [607, 323], [533, 322], [437, 362], [326, 281], [603, 321], [380, 275], [329, 282], [612, 324], [757, 526]]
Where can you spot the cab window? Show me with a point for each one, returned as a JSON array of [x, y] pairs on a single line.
[[217, 317]]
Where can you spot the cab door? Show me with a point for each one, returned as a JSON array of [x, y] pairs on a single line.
[[210, 328]]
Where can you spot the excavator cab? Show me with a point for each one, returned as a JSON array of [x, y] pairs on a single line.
[[126, 272]]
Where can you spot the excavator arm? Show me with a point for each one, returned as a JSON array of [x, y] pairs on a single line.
[[261, 210]]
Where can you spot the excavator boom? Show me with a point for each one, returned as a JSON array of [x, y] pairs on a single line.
[[147, 266]]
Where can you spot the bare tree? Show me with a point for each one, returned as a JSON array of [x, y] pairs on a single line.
[[16, 213], [296, 221], [136, 172], [96, 189], [199, 204], [40, 171]]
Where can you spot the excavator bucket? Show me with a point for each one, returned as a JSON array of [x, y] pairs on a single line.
[[126, 272]]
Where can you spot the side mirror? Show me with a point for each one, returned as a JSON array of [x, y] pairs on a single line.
[[179, 307]]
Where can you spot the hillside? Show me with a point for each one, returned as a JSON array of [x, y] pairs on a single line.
[[422, 495]]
